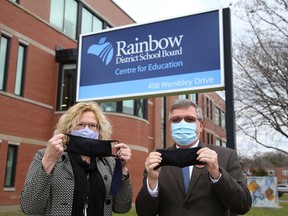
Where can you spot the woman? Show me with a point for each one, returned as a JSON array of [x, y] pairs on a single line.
[[61, 182]]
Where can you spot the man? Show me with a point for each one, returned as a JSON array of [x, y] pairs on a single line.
[[215, 188]]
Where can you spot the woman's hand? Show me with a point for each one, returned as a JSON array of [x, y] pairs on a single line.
[[124, 153], [52, 153]]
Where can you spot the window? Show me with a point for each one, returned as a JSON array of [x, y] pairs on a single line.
[[57, 13], [248, 172], [271, 172], [183, 96], [208, 138], [207, 107], [285, 172], [4, 52], [109, 106], [211, 110], [132, 107], [20, 70], [223, 121], [128, 107], [217, 116], [218, 142], [11, 166], [194, 98], [67, 87], [141, 108], [90, 22], [63, 15]]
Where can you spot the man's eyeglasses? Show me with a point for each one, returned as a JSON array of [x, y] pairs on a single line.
[[188, 119], [91, 126]]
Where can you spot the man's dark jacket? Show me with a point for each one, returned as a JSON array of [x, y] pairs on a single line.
[[203, 198]]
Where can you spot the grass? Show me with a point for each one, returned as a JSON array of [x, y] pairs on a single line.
[[269, 211], [283, 210], [253, 212], [19, 213], [132, 212]]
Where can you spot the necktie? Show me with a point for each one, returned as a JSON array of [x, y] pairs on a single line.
[[186, 177]]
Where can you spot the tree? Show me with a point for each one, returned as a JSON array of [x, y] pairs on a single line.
[[276, 159], [259, 172], [267, 159], [261, 71]]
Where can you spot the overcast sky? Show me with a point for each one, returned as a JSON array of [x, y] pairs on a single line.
[[143, 11], [152, 10]]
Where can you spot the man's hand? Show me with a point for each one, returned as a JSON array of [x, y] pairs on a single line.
[[151, 162], [211, 158]]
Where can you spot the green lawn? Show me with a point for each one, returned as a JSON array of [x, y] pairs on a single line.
[[253, 212], [19, 213], [130, 213], [271, 211]]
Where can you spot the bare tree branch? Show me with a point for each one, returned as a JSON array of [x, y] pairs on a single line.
[[261, 75]]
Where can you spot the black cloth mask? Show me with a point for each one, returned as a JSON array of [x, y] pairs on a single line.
[[97, 148], [89, 147], [180, 157]]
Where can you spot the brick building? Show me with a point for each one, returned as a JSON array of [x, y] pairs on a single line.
[[280, 172], [38, 55]]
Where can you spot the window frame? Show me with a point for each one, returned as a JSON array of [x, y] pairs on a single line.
[[136, 102], [79, 17], [223, 119], [218, 141], [6, 61], [271, 172], [218, 116], [61, 79], [62, 24], [207, 107], [211, 109], [284, 172], [13, 167], [93, 17], [21, 81]]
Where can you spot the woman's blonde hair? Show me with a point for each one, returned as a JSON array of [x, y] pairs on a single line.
[[71, 118]]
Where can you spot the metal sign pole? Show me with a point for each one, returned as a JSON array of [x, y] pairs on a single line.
[[229, 96]]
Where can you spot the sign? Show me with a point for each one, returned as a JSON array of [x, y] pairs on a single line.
[[263, 191], [170, 56]]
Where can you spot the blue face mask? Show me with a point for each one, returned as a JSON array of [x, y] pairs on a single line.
[[184, 133], [85, 132]]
